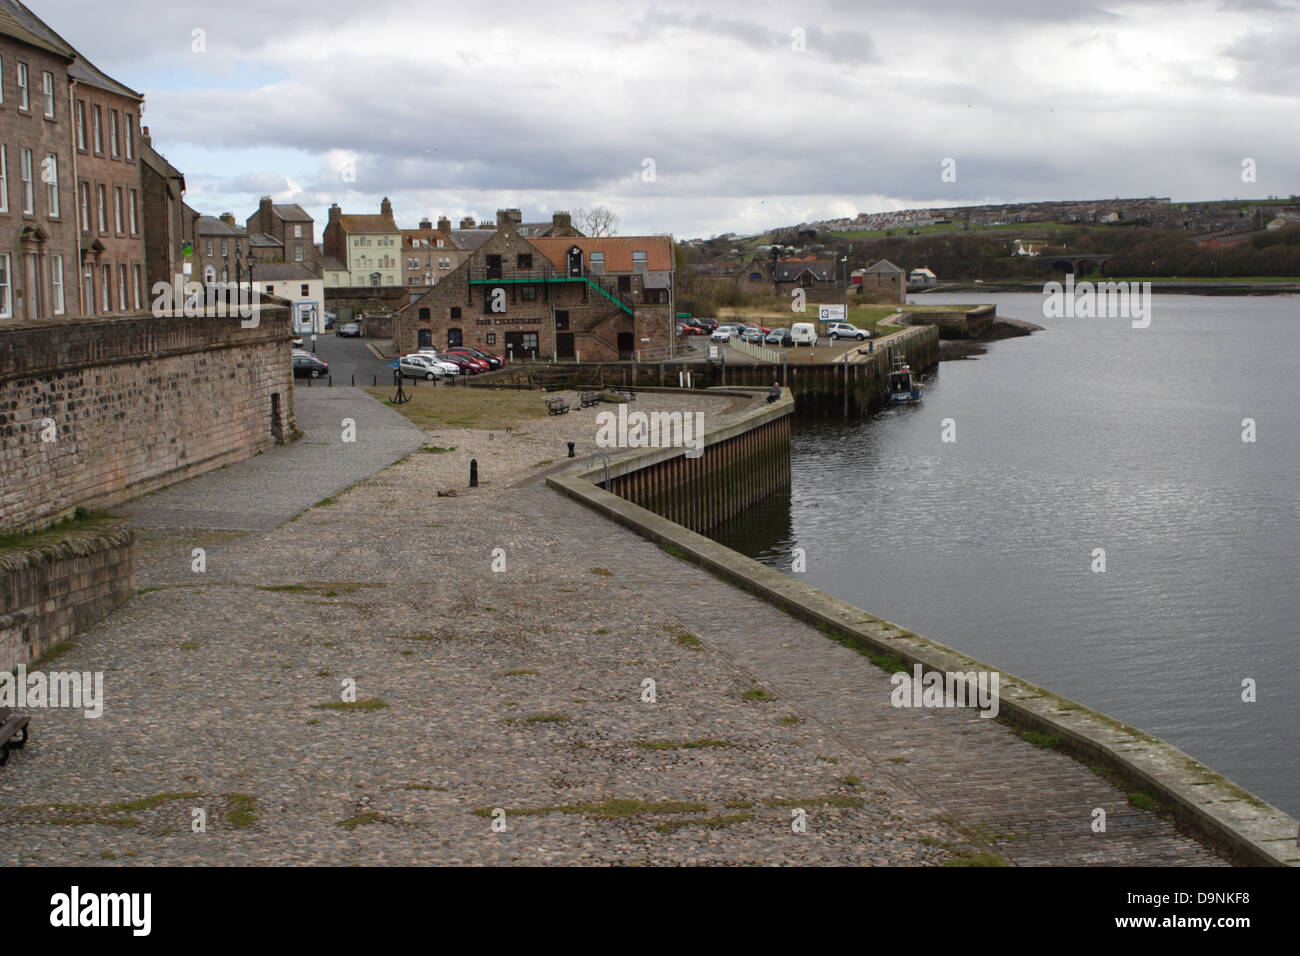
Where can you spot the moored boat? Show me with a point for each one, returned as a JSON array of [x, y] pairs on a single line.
[[904, 386]]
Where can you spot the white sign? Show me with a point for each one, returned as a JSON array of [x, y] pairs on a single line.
[[832, 313]]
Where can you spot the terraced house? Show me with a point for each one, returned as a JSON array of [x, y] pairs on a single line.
[[550, 297], [71, 229], [369, 246]]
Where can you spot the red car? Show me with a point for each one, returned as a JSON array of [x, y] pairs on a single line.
[[753, 325], [466, 360]]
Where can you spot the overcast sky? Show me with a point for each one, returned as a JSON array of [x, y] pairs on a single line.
[[464, 108]]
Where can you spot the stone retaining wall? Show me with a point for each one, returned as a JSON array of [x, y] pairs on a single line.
[[50, 593], [94, 412]]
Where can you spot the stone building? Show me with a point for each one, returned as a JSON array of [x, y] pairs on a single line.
[[428, 254], [369, 245], [553, 297], [220, 247], [288, 225], [162, 205], [71, 239], [883, 282]]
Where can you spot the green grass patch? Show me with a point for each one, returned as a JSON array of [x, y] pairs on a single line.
[[673, 551], [522, 672], [480, 408], [603, 572], [608, 809], [360, 820], [756, 693], [80, 522], [436, 449], [973, 858], [243, 813], [704, 743], [1046, 741]]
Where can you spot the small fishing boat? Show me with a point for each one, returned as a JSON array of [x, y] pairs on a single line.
[[904, 386]]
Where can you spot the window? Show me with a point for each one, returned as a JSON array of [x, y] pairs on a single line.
[[597, 258], [23, 101], [297, 232], [81, 125], [117, 209], [121, 288], [491, 338], [624, 283], [209, 275], [297, 252], [135, 220], [528, 293], [84, 189], [6, 302], [136, 285], [208, 248], [29, 189], [97, 127], [656, 296], [638, 257], [101, 194], [455, 312], [4, 179], [50, 173], [524, 261], [47, 90], [303, 290], [88, 289], [56, 284], [225, 248], [129, 124], [106, 300], [112, 134], [236, 248], [2, 85]]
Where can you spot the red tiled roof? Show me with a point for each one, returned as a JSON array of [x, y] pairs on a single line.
[[618, 250], [367, 223]]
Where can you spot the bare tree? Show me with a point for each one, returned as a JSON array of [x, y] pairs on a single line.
[[596, 221]]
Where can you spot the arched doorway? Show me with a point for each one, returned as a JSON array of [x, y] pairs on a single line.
[[426, 337]]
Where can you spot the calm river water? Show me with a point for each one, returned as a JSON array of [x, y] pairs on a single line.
[[1090, 434]]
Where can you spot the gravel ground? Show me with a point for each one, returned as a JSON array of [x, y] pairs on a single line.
[[478, 685]]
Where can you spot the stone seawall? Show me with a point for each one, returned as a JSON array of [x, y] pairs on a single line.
[[1248, 828], [97, 411], [50, 593]]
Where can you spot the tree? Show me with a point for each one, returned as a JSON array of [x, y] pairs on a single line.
[[596, 221]]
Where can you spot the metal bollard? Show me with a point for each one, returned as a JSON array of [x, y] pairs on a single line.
[[473, 472], [354, 379], [570, 444], [331, 380]]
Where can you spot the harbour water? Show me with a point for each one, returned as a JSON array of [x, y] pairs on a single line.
[[1088, 435]]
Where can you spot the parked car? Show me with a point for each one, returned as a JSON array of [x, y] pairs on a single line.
[[780, 337], [350, 329], [468, 366], [420, 366], [721, 334], [296, 342], [429, 352], [846, 330], [804, 333], [752, 334], [708, 325], [755, 325], [691, 327], [308, 365], [494, 361], [480, 365]]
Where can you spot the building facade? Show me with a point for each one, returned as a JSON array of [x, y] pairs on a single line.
[[298, 285], [288, 225], [370, 246], [162, 192], [562, 298]]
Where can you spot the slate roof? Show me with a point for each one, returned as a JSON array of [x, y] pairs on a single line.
[[883, 266], [471, 238], [369, 223], [212, 226], [789, 270], [35, 31], [282, 271], [292, 213], [328, 264]]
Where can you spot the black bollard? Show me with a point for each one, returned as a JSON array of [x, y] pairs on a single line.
[[375, 380], [331, 380], [473, 472], [570, 444], [354, 380]]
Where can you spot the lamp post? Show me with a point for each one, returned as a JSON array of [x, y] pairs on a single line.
[[252, 296]]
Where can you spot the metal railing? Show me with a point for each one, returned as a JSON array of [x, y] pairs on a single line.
[[756, 351]]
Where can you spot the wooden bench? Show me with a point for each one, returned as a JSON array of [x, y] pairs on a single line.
[[588, 399], [626, 393], [10, 725], [557, 406]]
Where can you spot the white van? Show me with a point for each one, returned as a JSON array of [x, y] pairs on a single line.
[[803, 333]]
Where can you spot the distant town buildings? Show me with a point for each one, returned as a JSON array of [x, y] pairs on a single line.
[[369, 246]]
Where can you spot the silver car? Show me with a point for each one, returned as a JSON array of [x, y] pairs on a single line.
[[420, 366]]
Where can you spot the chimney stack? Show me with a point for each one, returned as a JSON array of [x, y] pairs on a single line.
[[335, 212], [386, 208], [228, 218], [444, 225], [561, 223], [425, 223], [467, 222]]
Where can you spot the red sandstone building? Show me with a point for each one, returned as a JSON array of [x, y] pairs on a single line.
[[550, 297], [71, 220]]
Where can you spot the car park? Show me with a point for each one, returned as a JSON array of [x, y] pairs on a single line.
[[420, 366], [780, 337], [752, 334], [309, 366], [845, 330], [722, 333], [468, 366], [706, 326], [350, 329]]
